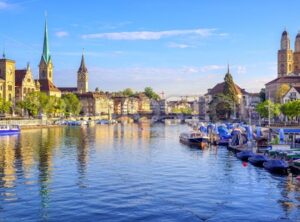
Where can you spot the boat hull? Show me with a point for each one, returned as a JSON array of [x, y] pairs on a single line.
[[244, 155], [202, 142], [257, 160], [276, 166]]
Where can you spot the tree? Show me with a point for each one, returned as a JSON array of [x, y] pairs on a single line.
[[291, 109], [263, 109], [4, 106], [230, 89], [97, 89], [128, 92], [221, 107], [262, 94], [282, 90], [182, 110], [72, 104], [151, 94]]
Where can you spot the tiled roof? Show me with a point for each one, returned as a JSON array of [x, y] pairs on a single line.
[[297, 89], [19, 76], [68, 89], [219, 88], [47, 86], [285, 79]]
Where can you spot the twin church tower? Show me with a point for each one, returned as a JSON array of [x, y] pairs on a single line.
[[46, 71], [288, 61]]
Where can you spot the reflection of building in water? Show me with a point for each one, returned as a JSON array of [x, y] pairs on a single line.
[[7, 161], [82, 154]]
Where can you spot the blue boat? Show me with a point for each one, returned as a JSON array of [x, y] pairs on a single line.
[[9, 130], [258, 160], [244, 155], [276, 166]]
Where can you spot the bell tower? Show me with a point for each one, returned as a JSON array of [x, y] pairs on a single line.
[[285, 56], [82, 77], [297, 55], [46, 66]]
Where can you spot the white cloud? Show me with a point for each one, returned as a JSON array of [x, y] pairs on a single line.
[[178, 45], [149, 35], [5, 5], [61, 34], [241, 70]]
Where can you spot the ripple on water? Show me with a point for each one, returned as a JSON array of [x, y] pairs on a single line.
[[122, 173]]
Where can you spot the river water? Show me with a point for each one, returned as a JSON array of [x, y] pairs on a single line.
[[133, 173]]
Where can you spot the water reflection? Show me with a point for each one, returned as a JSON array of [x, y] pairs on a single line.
[[39, 164]]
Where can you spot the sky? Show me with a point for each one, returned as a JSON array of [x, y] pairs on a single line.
[[179, 47]]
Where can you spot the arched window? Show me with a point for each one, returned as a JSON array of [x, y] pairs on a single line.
[[290, 67]]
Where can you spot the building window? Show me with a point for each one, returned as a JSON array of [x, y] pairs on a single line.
[[9, 88], [290, 67]]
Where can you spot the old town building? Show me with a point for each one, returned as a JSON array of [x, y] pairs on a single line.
[[25, 83], [288, 66], [96, 103], [7, 79]]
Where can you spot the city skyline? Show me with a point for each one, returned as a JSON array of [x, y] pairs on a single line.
[[146, 48]]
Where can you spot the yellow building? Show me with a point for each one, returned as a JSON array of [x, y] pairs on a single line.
[[7, 79], [25, 83]]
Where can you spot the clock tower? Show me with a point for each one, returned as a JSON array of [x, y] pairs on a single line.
[[285, 56], [82, 77]]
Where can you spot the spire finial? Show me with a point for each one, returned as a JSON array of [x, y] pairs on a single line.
[[3, 55], [28, 66], [228, 71]]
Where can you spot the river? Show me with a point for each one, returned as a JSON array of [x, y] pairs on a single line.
[[133, 173]]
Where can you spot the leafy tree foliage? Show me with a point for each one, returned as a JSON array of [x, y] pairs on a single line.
[[72, 104], [291, 109], [128, 92], [230, 89], [4, 106], [151, 94], [282, 90], [221, 107], [262, 94], [183, 110], [263, 109]]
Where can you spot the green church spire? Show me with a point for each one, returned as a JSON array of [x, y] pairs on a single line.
[[46, 54]]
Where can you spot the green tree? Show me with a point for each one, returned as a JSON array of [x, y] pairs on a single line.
[[263, 109], [34, 103], [262, 94], [282, 90], [182, 110], [151, 94], [4, 106], [291, 109], [72, 104], [230, 89], [221, 107], [128, 92]]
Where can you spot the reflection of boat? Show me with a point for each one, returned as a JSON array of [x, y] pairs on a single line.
[[194, 139], [244, 155], [276, 166], [258, 160], [9, 129]]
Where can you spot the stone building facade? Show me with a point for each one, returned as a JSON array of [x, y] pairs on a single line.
[[288, 63]]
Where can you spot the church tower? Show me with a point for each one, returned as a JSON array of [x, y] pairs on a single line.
[[285, 56], [46, 66], [297, 55], [82, 77], [7, 79]]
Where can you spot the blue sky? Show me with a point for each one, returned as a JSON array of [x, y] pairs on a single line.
[[175, 46]]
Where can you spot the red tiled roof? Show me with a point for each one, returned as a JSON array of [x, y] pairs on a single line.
[[47, 86], [285, 79], [19, 76]]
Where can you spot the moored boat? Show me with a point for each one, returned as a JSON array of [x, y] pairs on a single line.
[[276, 166], [194, 139], [9, 129], [258, 160], [244, 155]]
